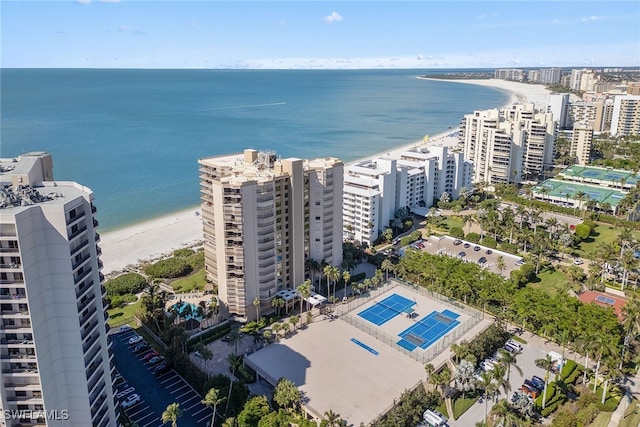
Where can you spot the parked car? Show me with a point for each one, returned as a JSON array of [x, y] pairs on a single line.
[[531, 392], [539, 382], [467, 245], [462, 254], [457, 242], [155, 360], [150, 355], [476, 248], [532, 386], [489, 252], [482, 260], [514, 344], [578, 262], [520, 262], [130, 401], [124, 328], [125, 392], [140, 347], [135, 339], [161, 369]]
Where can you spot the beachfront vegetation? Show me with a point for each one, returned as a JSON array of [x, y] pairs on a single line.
[[168, 268], [128, 283]]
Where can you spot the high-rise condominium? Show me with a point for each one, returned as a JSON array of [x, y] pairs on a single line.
[[55, 356], [263, 217], [626, 115], [509, 144]]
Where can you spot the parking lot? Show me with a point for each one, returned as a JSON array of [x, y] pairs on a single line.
[[446, 245], [156, 393]]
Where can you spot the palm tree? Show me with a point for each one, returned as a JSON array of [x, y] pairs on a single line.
[[545, 364], [498, 374], [212, 399], [278, 302], [387, 266], [332, 419], [171, 414], [605, 348], [256, 303], [429, 369], [346, 276], [464, 377], [500, 264], [328, 273], [234, 339], [508, 360], [305, 292], [631, 311], [486, 384]]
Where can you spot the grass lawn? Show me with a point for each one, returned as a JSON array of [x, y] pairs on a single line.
[[550, 281], [604, 233], [601, 420], [631, 415], [453, 221], [195, 281], [461, 405], [122, 315]]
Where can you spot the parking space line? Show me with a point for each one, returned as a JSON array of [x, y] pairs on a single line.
[[204, 418], [143, 409], [191, 398], [192, 406], [173, 375], [179, 388], [146, 416], [174, 387], [183, 394], [203, 408], [151, 423]]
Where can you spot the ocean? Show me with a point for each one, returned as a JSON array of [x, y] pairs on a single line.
[[135, 136]]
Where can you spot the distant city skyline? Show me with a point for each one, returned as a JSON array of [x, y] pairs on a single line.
[[302, 34]]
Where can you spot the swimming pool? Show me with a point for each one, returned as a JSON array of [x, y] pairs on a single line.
[[180, 307]]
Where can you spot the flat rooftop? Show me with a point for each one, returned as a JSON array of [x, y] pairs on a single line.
[[345, 368], [564, 189], [601, 174]]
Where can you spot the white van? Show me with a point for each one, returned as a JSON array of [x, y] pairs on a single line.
[[434, 418]]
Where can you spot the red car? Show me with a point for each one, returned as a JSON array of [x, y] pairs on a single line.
[[150, 355]]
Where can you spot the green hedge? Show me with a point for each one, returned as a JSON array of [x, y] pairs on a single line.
[[568, 369], [168, 268], [128, 283], [358, 277], [209, 336]]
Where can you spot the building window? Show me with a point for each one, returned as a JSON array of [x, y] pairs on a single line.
[[317, 218]]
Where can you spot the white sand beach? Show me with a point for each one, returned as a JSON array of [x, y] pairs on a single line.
[[153, 239], [150, 239]]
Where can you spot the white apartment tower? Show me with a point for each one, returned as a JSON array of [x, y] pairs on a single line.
[[550, 75], [262, 217], [375, 189], [626, 115], [508, 144], [55, 356], [581, 141]]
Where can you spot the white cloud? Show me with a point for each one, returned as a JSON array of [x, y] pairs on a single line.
[[83, 1], [334, 17], [591, 18]]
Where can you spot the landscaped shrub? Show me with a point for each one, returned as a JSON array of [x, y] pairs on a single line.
[[209, 336], [508, 247], [358, 277], [129, 283], [567, 370], [183, 253], [117, 301], [473, 237], [571, 379], [456, 232], [196, 260], [168, 268], [585, 415]]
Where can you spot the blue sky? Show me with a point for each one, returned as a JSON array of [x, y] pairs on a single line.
[[304, 34]]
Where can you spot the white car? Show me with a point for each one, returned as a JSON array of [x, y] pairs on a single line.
[[514, 345], [125, 392], [124, 328], [130, 401], [578, 262], [135, 339]]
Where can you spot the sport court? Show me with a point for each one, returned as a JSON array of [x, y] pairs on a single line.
[[598, 175], [423, 332], [344, 364], [565, 191]]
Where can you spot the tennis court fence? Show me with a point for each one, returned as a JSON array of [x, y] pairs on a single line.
[[422, 356]]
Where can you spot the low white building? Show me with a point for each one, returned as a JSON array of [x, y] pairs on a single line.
[[375, 189]]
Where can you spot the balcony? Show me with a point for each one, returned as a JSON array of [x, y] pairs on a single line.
[[79, 262], [78, 232], [88, 329], [92, 340], [79, 247], [88, 315], [85, 301], [76, 217]]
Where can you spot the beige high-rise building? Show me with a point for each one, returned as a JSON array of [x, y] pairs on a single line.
[[508, 145], [262, 218], [626, 115], [581, 141], [591, 113], [55, 355]]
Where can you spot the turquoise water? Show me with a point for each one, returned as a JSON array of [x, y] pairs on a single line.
[[181, 306], [135, 136]]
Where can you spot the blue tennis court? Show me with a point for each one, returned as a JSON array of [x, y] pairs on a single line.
[[383, 311], [428, 330]]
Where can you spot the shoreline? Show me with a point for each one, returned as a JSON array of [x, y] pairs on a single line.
[[158, 237]]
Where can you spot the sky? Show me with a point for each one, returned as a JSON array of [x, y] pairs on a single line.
[[320, 34]]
